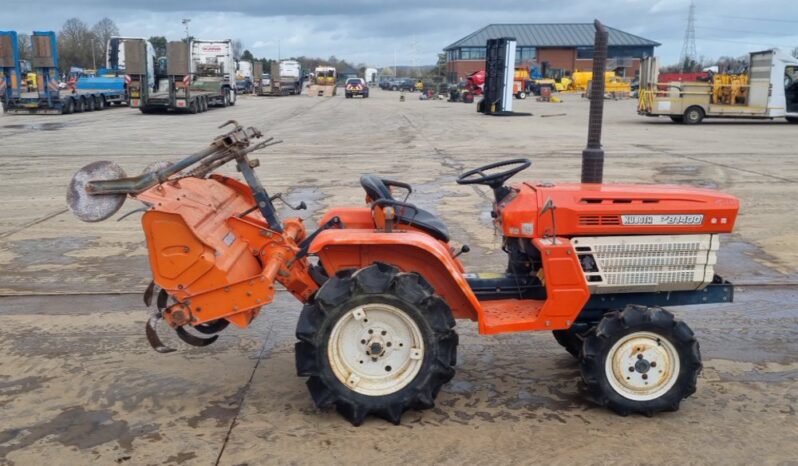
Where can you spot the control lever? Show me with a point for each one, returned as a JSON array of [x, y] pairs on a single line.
[[463, 249], [301, 206]]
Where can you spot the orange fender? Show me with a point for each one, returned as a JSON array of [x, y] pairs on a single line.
[[410, 251]]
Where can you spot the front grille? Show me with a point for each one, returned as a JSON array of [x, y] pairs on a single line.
[[649, 263]]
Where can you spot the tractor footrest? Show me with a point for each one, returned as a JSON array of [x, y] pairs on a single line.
[[510, 315]]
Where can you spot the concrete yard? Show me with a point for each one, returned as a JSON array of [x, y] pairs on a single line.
[[80, 385]]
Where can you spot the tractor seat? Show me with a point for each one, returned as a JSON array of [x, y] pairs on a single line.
[[424, 220]]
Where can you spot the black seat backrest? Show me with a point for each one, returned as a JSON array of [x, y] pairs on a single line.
[[375, 188]]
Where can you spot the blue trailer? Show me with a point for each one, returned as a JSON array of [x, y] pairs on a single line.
[[84, 94]]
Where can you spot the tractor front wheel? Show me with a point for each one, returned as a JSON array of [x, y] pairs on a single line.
[[641, 360], [376, 341]]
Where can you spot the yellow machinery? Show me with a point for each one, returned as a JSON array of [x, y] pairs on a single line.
[[323, 84], [612, 83], [30, 81], [730, 89]]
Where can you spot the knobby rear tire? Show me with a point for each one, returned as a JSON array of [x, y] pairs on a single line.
[[378, 284]]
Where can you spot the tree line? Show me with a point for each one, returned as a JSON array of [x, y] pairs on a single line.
[[725, 64]]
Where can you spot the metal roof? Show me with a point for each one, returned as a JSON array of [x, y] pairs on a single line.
[[549, 35]]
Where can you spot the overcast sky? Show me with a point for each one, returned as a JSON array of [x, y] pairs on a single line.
[[373, 32]]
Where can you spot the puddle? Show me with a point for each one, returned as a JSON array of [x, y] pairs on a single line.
[[312, 197], [739, 261], [53, 251], [75, 427], [38, 126], [691, 175]]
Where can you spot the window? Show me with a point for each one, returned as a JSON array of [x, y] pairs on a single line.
[[630, 52], [525, 55], [584, 53], [472, 53]]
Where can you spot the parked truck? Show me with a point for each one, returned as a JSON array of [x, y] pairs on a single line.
[[198, 76], [285, 78], [768, 90], [244, 78], [48, 96], [323, 83]]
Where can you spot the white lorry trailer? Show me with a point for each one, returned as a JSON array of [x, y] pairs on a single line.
[[285, 79], [768, 90], [198, 76]]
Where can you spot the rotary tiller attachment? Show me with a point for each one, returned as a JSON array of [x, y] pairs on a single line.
[[151, 328]]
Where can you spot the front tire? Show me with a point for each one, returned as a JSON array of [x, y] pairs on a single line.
[[792, 120], [521, 95], [376, 341], [641, 360], [693, 115]]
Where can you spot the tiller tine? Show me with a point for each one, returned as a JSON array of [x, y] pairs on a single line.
[[152, 335], [148, 293], [193, 339], [212, 327], [163, 300]]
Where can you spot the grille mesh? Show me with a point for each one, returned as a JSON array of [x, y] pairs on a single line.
[[649, 263]]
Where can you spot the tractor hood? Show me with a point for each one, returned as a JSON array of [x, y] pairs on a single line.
[[615, 209]]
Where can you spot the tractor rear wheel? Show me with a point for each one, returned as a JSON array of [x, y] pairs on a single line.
[[376, 341], [641, 360]]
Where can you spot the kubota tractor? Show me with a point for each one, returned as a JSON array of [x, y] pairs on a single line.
[[381, 284]]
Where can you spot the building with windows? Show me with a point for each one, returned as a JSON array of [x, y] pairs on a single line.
[[565, 46]]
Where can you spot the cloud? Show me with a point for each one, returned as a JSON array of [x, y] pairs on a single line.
[[372, 32]]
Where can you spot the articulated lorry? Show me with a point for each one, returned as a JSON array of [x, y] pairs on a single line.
[[198, 76], [50, 96], [768, 90], [285, 79]]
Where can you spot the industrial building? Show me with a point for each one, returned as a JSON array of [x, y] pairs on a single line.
[[565, 46]]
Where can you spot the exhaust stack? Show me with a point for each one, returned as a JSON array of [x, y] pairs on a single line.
[[593, 154]]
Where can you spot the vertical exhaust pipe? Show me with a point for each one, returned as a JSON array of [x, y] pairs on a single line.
[[593, 154]]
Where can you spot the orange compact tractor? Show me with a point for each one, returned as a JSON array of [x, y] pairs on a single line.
[[591, 262], [381, 285]]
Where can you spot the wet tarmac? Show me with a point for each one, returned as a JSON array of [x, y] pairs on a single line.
[[80, 385]]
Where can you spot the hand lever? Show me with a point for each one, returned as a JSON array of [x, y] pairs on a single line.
[[465, 248], [301, 206]]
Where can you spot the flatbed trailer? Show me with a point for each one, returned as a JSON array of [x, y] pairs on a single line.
[[49, 98], [180, 90], [767, 91]]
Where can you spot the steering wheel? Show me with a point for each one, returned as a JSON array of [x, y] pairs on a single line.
[[494, 180]]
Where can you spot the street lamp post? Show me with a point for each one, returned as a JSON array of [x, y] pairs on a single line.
[[185, 23]]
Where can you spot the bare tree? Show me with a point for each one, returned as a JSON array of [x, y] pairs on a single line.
[[75, 45], [24, 42], [795, 52], [102, 32], [238, 48]]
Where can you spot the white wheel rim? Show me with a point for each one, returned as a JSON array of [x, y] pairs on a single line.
[[642, 366], [375, 349]]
